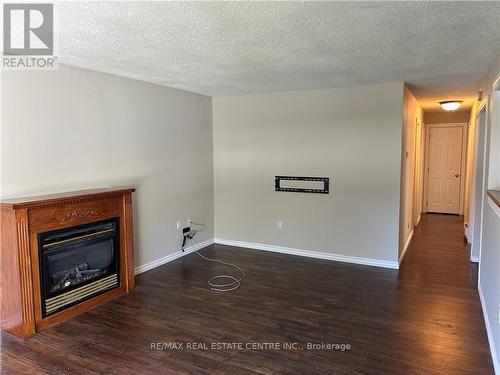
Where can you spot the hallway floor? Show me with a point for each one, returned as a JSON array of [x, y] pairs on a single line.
[[438, 254], [424, 319], [440, 284]]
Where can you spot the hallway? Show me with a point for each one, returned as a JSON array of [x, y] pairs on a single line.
[[438, 286]]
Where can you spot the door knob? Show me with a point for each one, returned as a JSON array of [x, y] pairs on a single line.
[[457, 175]]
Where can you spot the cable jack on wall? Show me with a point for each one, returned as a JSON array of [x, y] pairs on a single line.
[[219, 283]]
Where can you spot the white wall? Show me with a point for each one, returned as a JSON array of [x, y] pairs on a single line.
[[489, 262], [352, 135], [73, 128], [489, 277]]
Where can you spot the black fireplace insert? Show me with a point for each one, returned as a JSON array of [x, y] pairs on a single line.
[[78, 263]]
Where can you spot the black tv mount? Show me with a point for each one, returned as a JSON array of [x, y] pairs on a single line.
[[325, 180]]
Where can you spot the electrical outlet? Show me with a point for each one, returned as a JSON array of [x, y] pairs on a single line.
[[178, 224], [279, 224]]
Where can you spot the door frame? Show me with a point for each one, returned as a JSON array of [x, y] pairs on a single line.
[[418, 170], [428, 129], [473, 211]]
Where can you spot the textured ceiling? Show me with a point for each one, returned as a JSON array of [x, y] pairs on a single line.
[[442, 50]]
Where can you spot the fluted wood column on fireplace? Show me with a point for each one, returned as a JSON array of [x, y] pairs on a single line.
[[63, 254]]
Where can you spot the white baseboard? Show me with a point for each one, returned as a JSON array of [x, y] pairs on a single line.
[[309, 253], [496, 363], [407, 244], [418, 219], [171, 257]]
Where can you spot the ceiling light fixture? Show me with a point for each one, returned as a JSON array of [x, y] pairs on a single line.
[[450, 105]]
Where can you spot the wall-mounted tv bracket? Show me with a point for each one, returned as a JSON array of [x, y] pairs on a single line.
[[302, 189]]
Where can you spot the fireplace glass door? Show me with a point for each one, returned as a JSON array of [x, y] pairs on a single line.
[[78, 263]]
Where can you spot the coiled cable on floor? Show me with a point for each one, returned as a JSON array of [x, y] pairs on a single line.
[[219, 283]]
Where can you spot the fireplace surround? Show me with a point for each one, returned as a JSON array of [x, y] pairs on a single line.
[[63, 254]]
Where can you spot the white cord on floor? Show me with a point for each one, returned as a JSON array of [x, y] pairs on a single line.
[[232, 283]]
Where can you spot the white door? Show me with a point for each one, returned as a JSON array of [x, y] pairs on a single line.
[[445, 164]]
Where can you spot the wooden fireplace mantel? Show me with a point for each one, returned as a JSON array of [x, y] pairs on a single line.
[[22, 219]]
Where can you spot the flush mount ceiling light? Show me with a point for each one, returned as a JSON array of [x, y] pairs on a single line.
[[450, 105]]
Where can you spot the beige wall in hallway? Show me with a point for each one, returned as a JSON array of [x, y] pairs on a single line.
[[352, 135], [444, 117]]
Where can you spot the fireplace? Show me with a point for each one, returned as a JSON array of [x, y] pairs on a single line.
[[63, 254], [78, 263]]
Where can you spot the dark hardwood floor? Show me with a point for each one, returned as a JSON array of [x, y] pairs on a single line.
[[424, 319]]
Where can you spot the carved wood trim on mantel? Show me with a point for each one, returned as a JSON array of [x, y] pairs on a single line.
[[78, 214], [23, 219]]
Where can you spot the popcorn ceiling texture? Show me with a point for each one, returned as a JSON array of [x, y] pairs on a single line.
[[441, 49]]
